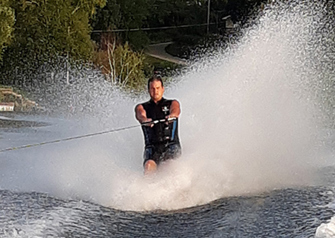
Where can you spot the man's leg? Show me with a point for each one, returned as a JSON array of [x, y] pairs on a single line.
[[173, 151], [150, 167]]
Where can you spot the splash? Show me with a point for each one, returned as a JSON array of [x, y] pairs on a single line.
[[252, 120], [326, 230]]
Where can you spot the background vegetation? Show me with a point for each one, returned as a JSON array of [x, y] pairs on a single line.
[[49, 35], [7, 20]]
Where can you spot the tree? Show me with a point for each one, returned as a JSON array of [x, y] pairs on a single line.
[[7, 20], [47, 29], [124, 14], [121, 65], [178, 12], [137, 14], [241, 10], [55, 27]]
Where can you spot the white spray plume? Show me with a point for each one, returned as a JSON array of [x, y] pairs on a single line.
[[248, 125]]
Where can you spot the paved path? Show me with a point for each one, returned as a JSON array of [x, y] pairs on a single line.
[[158, 51]]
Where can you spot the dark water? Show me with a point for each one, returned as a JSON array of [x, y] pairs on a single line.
[[281, 213], [252, 120], [289, 212], [10, 124]]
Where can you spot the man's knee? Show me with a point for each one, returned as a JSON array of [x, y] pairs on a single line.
[[150, 166], [174, 151], [148, 152]]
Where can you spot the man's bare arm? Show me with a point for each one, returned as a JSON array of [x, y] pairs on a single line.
[[140, 113], [174, 109]]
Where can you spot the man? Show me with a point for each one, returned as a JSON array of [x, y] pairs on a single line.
[[159, 119]]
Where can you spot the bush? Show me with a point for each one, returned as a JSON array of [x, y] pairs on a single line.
[[166, 68], [121, 65], [7, 20], [138, 40]]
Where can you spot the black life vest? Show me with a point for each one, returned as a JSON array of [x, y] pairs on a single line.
[[163, 132]]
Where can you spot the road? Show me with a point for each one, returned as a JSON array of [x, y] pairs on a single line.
[[158, 51]]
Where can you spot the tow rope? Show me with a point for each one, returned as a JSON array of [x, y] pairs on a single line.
[[84, 136], [68, 139]]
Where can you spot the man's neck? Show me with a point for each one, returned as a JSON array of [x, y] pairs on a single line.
[[156, 101]]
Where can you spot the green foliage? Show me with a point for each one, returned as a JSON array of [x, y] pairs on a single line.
[[45, 30], [55, 27], [177, 12], [127, 66], [122, 14], [240, 10], [125, 14], [152, 64], [132, 14], [121, 65], [7, 20], [138, 40], [88, 5], [108, 17]]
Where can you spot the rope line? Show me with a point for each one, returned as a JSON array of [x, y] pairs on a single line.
[[151, 28], [68, 139]]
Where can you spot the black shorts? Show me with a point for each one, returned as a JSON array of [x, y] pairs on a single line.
[[161, 152]]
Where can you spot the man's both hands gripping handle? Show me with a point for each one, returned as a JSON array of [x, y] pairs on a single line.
[[151, 123]]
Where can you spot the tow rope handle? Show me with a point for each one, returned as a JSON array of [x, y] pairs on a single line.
[[151, 123]]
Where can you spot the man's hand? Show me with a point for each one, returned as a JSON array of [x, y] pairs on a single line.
[[147, 122], [141, 116], [170, 118]]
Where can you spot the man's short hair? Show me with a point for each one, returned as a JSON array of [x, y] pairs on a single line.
[[154, 78]]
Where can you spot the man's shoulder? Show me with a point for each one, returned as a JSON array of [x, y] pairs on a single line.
[[163, 101], [145, 103], [169, 100]]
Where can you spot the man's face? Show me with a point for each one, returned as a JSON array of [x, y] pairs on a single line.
[[156, 90]]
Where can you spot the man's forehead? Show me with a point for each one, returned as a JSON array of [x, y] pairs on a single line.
[[155, 82]]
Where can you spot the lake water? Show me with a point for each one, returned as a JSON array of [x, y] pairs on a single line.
[[258, 157]]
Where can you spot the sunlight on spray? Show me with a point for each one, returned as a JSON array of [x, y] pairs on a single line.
[[250, 122]]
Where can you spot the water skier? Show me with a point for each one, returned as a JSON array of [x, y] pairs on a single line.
[[159, 119]]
